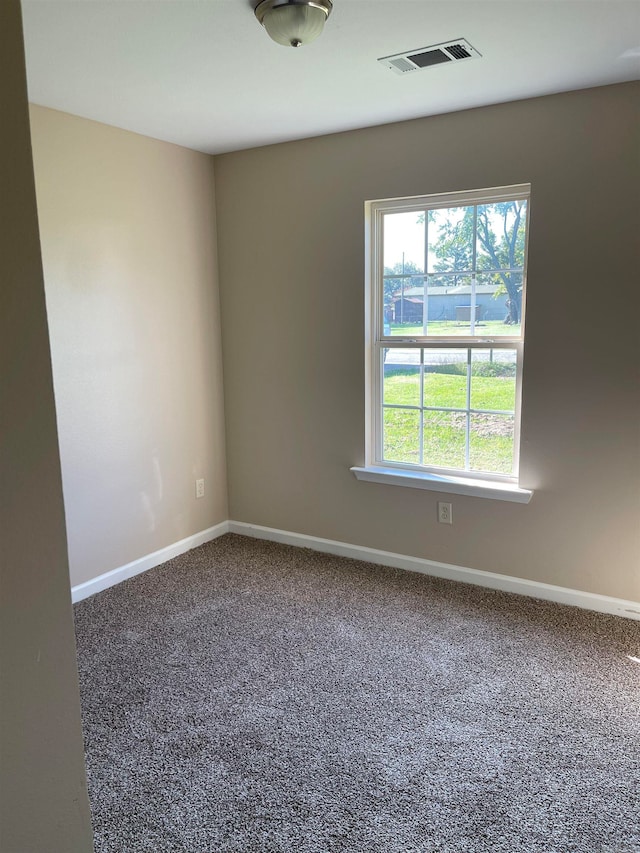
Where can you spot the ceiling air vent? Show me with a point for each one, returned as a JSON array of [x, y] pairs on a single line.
[[455, 50]]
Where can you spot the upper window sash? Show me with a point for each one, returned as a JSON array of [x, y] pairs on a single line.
[[476, 274]]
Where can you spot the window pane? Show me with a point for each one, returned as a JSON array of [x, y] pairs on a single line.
[[499, 298], [450, 235], [445, 378], [491, 443], [444, 438], [493, 379], [401, 438], [449, 300], [500, 235], [402, 377], [406, 304], [403, 243]]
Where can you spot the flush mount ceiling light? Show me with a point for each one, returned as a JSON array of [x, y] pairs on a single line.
[[293, 22]]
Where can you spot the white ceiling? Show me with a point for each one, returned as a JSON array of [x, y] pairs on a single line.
[[204, 74]]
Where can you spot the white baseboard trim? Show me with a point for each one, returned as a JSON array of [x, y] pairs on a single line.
[[506, 583], [84, 590], [491, 580]]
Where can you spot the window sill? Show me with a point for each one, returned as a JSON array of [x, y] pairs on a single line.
[[496, 491]]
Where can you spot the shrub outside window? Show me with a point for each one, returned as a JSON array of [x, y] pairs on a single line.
[[445, 331]]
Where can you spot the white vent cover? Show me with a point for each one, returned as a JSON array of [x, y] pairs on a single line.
[[456, 50]]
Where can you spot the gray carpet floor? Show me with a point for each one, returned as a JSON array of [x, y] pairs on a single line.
[[249, 697]]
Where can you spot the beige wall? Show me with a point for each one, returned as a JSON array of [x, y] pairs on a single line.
[[131, 282], [290, 235], [43, 797]]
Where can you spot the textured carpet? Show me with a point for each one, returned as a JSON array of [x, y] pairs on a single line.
[[253, 697]]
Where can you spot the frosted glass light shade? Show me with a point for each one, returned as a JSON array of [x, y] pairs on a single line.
[[293, 22]]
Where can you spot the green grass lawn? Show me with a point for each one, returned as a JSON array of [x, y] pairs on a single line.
[[490, 438], [402, 388], [485, 328]]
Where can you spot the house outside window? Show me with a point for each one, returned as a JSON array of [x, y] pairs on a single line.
[[445, 332]]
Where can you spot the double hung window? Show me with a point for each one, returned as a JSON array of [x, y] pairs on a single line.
[[445, 305]]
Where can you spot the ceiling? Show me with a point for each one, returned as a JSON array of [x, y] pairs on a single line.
[[204, 74]]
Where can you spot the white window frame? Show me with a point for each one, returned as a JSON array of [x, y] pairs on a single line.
[[423, 476]]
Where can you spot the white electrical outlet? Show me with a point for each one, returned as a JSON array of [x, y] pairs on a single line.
[[200, 488], [445, 513]]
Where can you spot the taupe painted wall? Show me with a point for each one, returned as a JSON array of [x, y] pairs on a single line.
[[127, 227], [291, 259], [43, 798]]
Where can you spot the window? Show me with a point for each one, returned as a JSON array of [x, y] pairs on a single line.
[[446, 303]]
